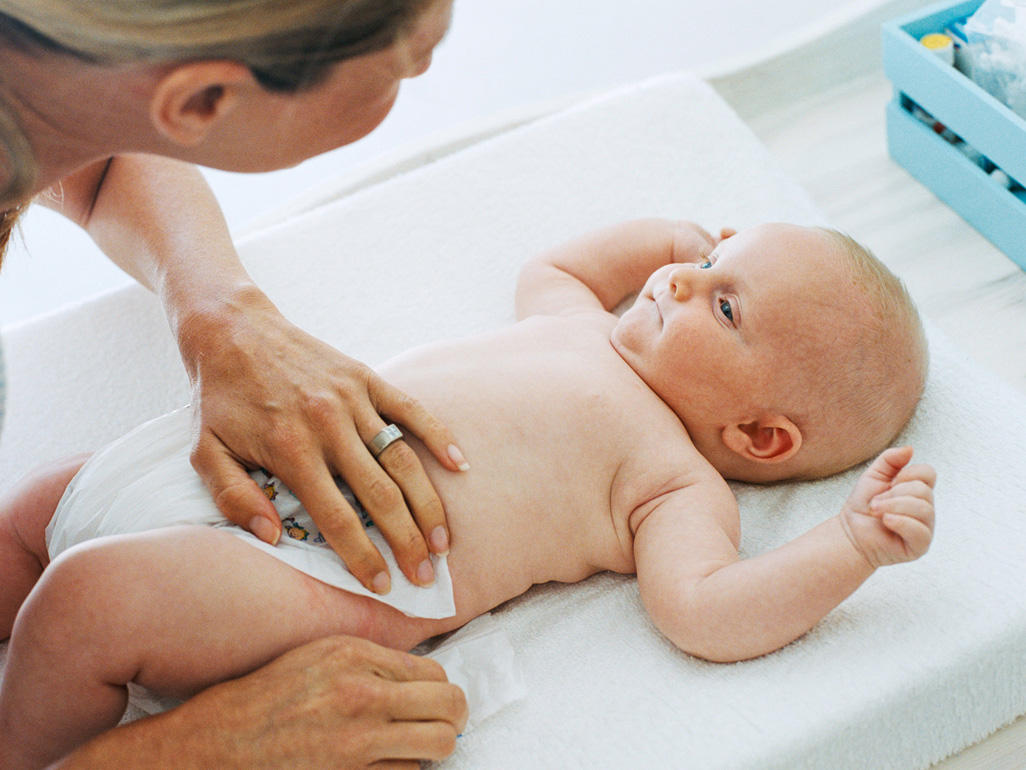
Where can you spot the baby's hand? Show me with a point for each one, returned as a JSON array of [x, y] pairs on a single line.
[[693, 243], [889, 515]]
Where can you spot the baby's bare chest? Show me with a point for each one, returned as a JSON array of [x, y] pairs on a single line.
[[548, 430]]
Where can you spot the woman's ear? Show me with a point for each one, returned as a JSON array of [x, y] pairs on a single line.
[[770, 439], [192, 98]]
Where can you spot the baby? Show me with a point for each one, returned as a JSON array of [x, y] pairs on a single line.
[[598, 442]]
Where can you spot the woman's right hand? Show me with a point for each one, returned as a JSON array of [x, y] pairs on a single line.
[[336, 702], [267, 394]]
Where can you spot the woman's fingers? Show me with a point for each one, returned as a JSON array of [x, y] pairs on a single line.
[[415, 740], [394, 404], [241, 501], [342, 527], [403, 465], [346, 701], [390, 488], [235, 494]]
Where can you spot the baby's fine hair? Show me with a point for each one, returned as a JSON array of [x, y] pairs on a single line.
[[870, 386], [287, 44]]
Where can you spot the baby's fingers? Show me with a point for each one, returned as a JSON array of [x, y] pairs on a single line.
[[915, 533], [918, 506], [889, 463], [915, 488], [918, 472]]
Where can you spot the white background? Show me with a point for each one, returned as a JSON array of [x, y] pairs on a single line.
[[499, 57]]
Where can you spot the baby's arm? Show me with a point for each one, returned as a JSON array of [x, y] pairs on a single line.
[[599, 270], [712, 604]]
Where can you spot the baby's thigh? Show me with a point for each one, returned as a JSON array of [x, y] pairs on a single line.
[[196, 605]]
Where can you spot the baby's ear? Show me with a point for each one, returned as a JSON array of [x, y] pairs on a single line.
[[768, 439]]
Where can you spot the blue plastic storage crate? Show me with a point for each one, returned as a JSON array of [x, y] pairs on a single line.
[[922, 79]]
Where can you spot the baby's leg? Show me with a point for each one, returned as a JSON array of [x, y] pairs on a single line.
[[174, 610], [24, 513]]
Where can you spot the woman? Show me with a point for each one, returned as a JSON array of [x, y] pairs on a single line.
[[103, 109]]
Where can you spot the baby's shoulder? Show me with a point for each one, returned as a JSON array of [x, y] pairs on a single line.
[[659, 459]]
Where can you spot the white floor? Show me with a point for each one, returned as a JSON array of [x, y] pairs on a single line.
[[500, 56]]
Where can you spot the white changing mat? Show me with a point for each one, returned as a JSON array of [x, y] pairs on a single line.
[[922, 660]]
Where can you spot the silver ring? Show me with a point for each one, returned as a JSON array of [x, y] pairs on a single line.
[[385, 438]]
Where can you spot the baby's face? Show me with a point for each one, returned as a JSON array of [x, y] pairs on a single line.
[[714, 339]]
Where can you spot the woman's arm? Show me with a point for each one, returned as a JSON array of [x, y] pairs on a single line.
[[266, 393], [336, 702]]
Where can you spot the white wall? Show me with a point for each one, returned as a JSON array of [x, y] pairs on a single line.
[[499, 56]]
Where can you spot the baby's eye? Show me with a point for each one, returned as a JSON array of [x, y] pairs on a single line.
[[705, 265], [727, 310]]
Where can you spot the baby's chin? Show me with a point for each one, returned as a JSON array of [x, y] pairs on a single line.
[[619, 339], [637, 325]]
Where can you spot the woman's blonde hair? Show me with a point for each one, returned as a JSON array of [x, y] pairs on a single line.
[[287, 44]]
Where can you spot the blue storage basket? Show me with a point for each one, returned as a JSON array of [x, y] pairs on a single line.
[[923, 79]]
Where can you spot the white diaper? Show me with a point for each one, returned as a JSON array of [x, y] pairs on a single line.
[[144, 481]]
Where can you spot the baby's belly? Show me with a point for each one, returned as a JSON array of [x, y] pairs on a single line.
[[507, 534], [538, 420]]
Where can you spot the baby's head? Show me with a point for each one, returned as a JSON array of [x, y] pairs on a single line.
[[791, 352]]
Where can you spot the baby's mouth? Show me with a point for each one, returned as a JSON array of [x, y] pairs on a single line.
[[658, 309]]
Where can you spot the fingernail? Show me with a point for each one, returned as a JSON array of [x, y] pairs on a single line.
[[263, 529], [425, 572], [440, 540], [381, 583], [457, 457]]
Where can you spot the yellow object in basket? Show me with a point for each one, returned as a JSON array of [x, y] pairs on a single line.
[[940, 45]]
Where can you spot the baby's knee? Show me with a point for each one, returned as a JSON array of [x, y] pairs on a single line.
[[79, 597], [27, 506]]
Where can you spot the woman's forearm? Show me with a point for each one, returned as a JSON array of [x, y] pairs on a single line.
[[334, 702], [164, 740], [159, 221]]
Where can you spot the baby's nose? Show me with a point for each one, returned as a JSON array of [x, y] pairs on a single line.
[[681, 283]]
